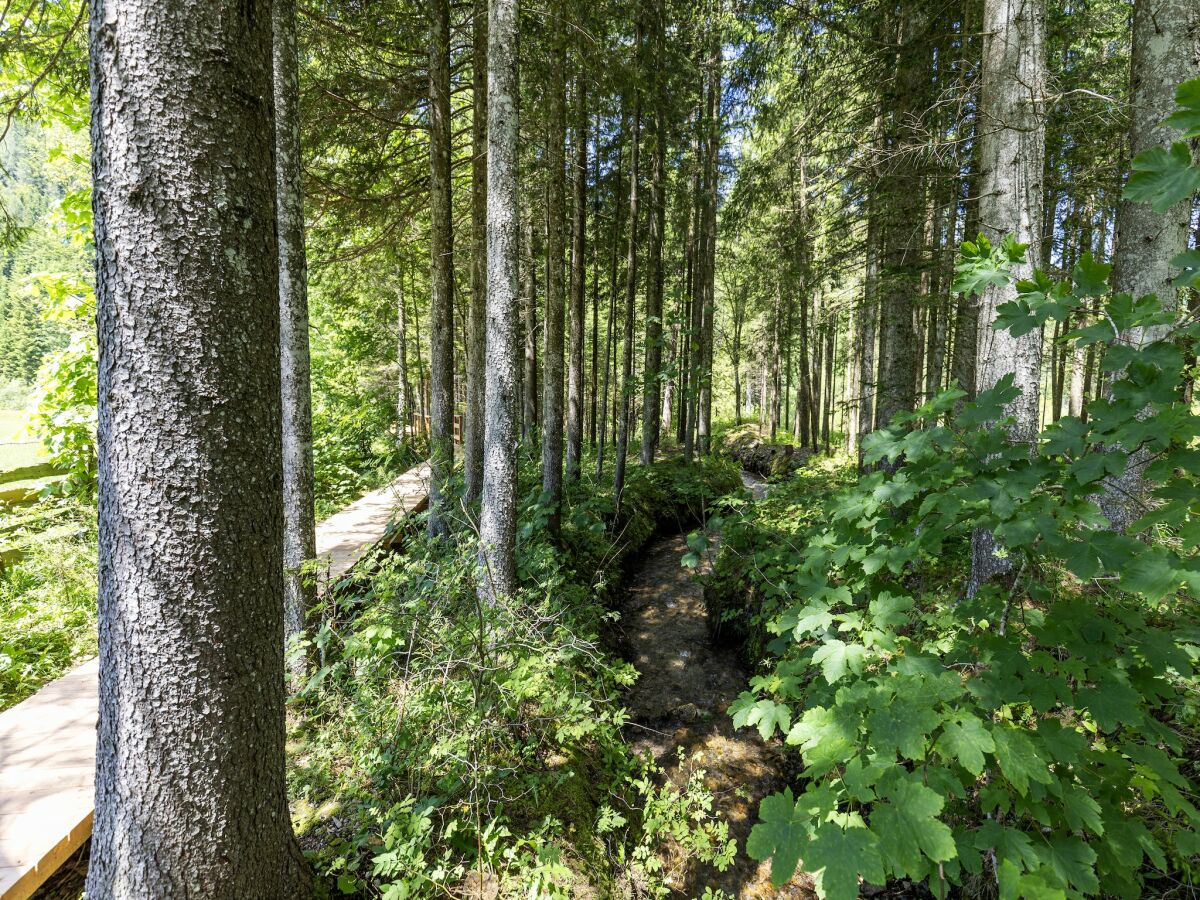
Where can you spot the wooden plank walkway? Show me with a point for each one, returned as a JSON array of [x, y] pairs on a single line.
[[48, 742], [345, 537]]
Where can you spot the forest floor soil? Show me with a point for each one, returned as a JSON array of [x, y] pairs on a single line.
[[681, 700]]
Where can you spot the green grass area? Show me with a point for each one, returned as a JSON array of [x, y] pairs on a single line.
[[47, 596], [18, 448]]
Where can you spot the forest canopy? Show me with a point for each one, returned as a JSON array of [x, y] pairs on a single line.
[[800, 398]]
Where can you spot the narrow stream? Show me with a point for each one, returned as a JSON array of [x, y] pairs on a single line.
[[681, 700]]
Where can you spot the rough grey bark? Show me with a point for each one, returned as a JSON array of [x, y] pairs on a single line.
[[695, 354], [593, 423], [190, 787], [552, 357], [901, 223], [498, 513], [1166, 52], [575, 375], [656, 227], [441, 277], [1012, 150], [473, 418], [867, 337], [966, 312], [709, 238], [529, 383], [609, 332], [299, 521], [631, 275], [405, 408]]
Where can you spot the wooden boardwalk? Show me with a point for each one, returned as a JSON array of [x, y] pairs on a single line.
[[48, 742]]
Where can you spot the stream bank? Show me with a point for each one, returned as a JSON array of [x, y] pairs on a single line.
[[681, 699]]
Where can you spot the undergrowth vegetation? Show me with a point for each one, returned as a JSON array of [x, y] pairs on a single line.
[[47, 596], [445, 744], [1031, 736]]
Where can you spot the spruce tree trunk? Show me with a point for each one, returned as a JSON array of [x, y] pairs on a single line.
[[965, 346], [631, 274], [498, 512], [441, 276], [709, 237], [1012, 152], [593, 419], [827, 404], [552, 357], [473, 418], [529, 383], [575, 374], [610, 328], [901, 234], [190, 788], [1012, 155], [1166, 52], [299, 518], [690, 398], [405, 408], [652, 392], [776, 393]]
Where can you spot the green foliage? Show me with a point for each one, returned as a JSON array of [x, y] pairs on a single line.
[[64, 405], [746, 585], [1162, 176], [47, 595], [981, 264], [1029, 732], [43, 167], [1165, 176], [460, 741]]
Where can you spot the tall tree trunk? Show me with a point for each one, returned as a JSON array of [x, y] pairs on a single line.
[[593, 423], [529, 383], [441, 275], [299, 520], [902, 233], [709, 237], [814, 404], [631, 275], [690, 409], [498, 510], [422, 380], [1166, 52], [668, 394], [473, 419], [610, 338], [965, 349], [190, 785], [575, 383], [552, 357], [804, 383], [1012, 152], [827, 403], [773, 416], [405, 409], [651, 396]]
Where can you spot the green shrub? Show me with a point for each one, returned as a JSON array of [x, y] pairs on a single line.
[[758, 543], [1032, 736], [47, 597], [460, 742]]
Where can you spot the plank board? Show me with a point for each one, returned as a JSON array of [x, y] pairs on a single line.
[[48, 742], [346, 537], [47, 762]]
